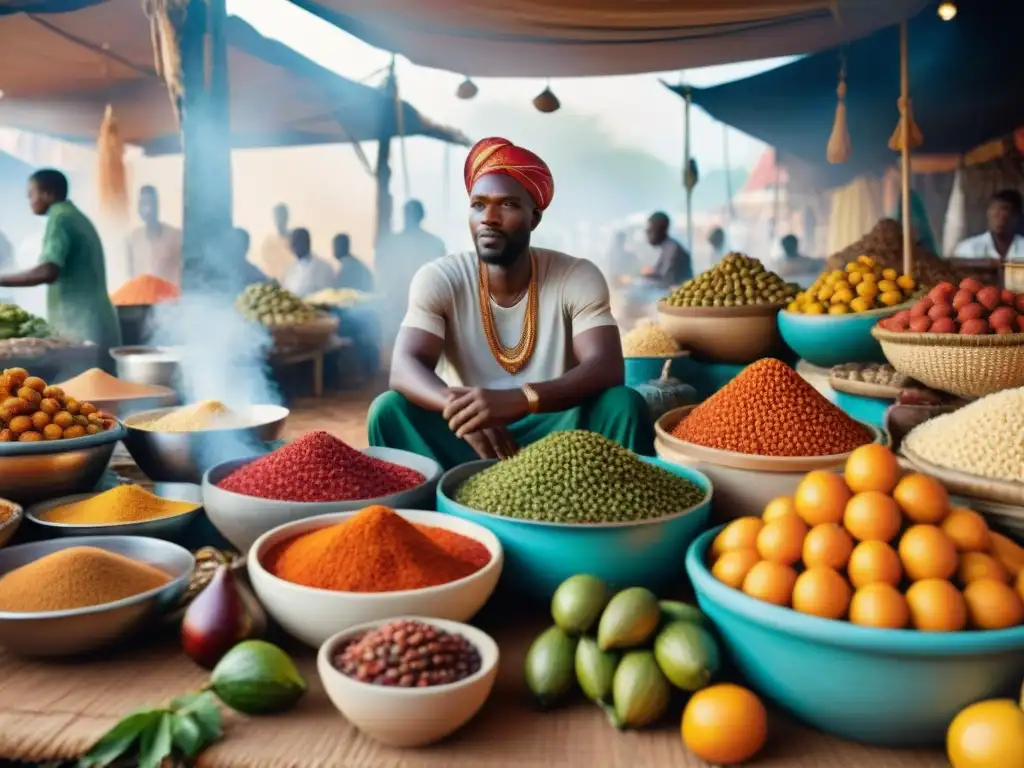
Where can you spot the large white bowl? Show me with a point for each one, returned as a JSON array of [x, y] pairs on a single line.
[[313, 615], [243, 519], [410, 717]]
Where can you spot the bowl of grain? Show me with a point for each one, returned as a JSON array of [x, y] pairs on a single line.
[[178, 445], [11, 516]]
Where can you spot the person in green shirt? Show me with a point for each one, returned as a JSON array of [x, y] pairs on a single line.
[[71, 266]]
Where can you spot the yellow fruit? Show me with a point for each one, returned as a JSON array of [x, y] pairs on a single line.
[[967, 529], [1009, 554], [890, 274], [986, 735], [821, 497], [870, 277], [828, 545], [906, 282], [879, 605], [724, 724], [922, 498], [732, 567], [782, 540], [927, 553], [778, 507], [867, 261], [872, 467], [867, 289], [739, 534], [874, 562], [888, 285], [854, 278], [826, 293], [936, 606], [872, 516], [839, 309], [992, 604], [842, 296], [852, 267], [814, 309], [860, 304], [978, 565], [820, 591], [771, 583], [891, 298], [793, 306]]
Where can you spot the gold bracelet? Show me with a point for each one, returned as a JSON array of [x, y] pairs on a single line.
[[532, 398]]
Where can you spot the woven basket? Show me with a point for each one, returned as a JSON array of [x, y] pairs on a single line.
[[969, 366], [315, 334]]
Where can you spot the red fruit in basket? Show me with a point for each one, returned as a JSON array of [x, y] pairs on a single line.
[[1018, 303], [922, 307], [961, 299], [1020, 323], [970, 284], [902, 316], [898, 326], [942, 292], [1003, 317], [944, 325], [1007, 297], [989, 297], [939, 311], [976, 327], [920, 324], [970, 312], [1004, 329]]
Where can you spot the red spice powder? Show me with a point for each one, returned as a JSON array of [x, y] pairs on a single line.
[[320, 467], [458, 546]]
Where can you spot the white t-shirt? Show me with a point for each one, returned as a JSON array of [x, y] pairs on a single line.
[[984, 247], [307, 276], [444, 301], [159, 256]]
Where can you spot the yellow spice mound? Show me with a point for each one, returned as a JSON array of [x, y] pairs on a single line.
[[207, 414], [123, 504]]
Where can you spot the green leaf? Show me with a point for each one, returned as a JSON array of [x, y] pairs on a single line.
[[119, 739], [156, 743], [187, 735], [203, 709]]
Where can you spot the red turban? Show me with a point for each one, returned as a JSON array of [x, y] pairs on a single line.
[[496, 155]]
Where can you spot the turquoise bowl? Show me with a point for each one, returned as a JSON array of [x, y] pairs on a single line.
[[870, 410], [889, 687], [640, 370], [827, 340], [540, 556]]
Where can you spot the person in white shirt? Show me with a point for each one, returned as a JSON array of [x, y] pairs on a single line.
[[275, 257], [154, 248], [307, 274], [1001, 243]]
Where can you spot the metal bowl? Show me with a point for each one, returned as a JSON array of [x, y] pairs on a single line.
[[9, 526], [83, 630], [156, 366], [183, 457], [169, 528], [123, 407], [33, 472]]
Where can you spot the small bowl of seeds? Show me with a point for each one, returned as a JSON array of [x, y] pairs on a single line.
[[409, 681]]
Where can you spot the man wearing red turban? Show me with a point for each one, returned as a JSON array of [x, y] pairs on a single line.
[[506, 343]]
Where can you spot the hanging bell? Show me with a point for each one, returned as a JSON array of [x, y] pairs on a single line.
[[467, 90], [546, 101]]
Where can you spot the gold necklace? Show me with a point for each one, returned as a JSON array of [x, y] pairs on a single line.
[[512, 359]]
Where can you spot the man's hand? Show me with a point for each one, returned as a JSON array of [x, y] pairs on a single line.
[[496, 443], [471, 410]]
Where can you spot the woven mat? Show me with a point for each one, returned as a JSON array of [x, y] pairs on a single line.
[[52, 711]]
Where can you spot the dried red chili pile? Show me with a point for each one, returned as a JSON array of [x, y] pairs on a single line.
[[320, 467], [770, 410]]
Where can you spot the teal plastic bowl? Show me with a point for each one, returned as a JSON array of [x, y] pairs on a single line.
[[540, 556], [827, 340], [641, 370], [870, 410], [894, 688]]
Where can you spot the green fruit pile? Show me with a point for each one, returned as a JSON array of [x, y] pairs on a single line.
[[578, 477], [16, 323], [270, 304], [641, 650], [736, 281]]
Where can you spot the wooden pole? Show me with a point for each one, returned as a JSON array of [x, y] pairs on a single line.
[[908, 241], [385, 204], [686, 170]]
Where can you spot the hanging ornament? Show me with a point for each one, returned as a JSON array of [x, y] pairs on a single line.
[[906, 113], [947, 11], [467, 90], [691, 175], [839, 149], [546, 101], [111, 174]]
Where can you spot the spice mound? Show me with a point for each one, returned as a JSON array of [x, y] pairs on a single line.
[[96, 384], [578, 477], [377, 550], [983, 438], [123, 504], [320, 467], [144, 290], [77, 577], [408, 654], [31, 411], [769, 410], [199, 417], [648, 339]]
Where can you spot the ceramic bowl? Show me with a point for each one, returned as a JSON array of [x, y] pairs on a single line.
[[169, 528], [894, 688], [409, 717], [10, 525], [243, 519], [540, 556], [737, 335], [313, 615], [641, 370], [84, 630], [828, 340]]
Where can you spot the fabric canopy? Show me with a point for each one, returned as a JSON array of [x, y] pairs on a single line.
[[568, 38], [963, 85], [60, 70]]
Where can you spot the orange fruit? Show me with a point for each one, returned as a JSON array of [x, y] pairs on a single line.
[[1020, 586], [827, 544], [986, 735], [927, 553], [967, 529], [993, 604], [1008, 552], [872, 467], [821, 497], [923, 499], [725, 724], [879, 605], [874, 562], [978, 565], [732, 567], [936, 606], [872, 516], [782, 540], [770, 582], [778, 507], [820, 591], [739, 534]]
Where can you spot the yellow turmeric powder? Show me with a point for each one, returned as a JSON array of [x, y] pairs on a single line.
[[123, 504]]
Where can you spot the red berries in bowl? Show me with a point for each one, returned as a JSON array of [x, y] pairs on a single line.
[[969, 309]]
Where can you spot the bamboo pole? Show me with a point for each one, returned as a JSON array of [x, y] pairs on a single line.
[[686, 170], [908, 245]]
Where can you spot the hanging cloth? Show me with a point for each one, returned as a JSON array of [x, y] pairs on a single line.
[[111, 176]]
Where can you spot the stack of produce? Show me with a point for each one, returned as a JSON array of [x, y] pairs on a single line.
[[770, 410], [863, 285], [144, 290], [96, 384], [881, 374], [340, 298], [31, 411], [970, 308], [123, 504], [884, 244], [578, 477], [736, 281], [627, 651], [648, 339], [16, 323], [377, 550], [984, 438], [203, 416], [320, 467], [271, 305], [876, 547]]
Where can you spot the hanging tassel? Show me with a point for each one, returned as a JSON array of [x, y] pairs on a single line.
[[896, 140], [111, 174], [838, 150], [166, 53]]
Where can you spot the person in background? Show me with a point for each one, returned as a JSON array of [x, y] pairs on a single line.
[[308, 274], [72, 268], [275, 256], [673, 266], [352, 273], [226, 272], [716, 239], [795, 267], [1001, 243], [155, 247]]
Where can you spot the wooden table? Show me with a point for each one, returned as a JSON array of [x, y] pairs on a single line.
[[290, 358]]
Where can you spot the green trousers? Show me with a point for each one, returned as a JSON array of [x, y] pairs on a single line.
[[619, 414]]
